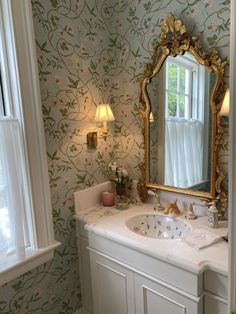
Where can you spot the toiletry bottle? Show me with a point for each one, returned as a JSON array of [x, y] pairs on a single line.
[[212, 215]]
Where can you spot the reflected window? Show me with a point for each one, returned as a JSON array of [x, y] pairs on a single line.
[[186, 123], [181, 88]]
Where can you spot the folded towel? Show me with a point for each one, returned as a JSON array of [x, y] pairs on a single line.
[[200, 238]]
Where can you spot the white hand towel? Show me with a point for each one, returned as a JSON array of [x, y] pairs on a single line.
[[200, 238]]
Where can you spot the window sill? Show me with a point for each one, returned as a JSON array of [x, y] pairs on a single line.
[[34, 258]]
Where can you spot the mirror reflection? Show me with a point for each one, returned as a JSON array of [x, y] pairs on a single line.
[[180, 124]]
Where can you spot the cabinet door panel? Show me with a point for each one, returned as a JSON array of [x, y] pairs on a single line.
[[212, 304], [155, 302], [154, 298], [84, 267], [112, 287]]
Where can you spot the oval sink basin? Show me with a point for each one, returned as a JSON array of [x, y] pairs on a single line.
[[158, 226]]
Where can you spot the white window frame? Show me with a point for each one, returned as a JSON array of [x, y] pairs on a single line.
[[197, 91], [21, 89], [187, 94]]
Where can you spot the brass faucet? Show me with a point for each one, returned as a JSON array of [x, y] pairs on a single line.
[[172, 209]]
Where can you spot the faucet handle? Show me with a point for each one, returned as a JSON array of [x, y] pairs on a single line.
[[158, 206], [205, 201], [190, 213]]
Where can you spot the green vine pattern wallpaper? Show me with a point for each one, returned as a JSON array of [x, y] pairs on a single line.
[[90, 52]]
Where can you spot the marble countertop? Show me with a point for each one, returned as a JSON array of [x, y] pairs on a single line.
[[110, 223], [95, 213]]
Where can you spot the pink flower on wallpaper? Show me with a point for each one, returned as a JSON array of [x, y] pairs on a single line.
[[57, 78], [62, 35], [198, 34], [38, 292], [213, 27], [54, 103], [70, 29], [71, 199], [66, 179], [63, 204], [26, 309], [116, 84], [209, 2], [52, 299]]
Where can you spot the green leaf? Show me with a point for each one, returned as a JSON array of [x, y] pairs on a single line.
[[73, 84], [54, 3]]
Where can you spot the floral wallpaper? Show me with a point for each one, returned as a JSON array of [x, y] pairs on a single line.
[[90, 52]]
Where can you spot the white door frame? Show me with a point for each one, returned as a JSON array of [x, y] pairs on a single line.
[[232, 165]]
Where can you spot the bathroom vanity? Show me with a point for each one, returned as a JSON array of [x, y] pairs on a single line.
[[131, 273], [134, 261]]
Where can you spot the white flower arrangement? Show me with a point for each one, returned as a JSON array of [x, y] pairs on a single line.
[[119, 174]]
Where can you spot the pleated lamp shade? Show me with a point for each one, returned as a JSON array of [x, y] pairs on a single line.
[[104, 113]]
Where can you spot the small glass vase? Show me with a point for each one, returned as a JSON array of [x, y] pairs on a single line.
[[120, 190]]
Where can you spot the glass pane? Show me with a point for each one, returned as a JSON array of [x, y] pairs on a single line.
[[172, 77], [182, 106], [5, 230], [182, 80], [172, 104]]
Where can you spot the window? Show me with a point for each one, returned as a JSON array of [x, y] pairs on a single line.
[[181, 88], [25, 209]]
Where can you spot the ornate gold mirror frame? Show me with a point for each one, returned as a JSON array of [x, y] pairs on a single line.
[[174, 41]]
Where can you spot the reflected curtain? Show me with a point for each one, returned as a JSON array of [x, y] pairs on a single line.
[[183, 152], [12, 240]]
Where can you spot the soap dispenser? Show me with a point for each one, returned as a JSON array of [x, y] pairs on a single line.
[[212, 214]]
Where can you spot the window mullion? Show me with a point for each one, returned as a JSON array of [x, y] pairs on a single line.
[[178, 93]]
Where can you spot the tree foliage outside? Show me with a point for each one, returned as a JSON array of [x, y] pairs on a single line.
[[176, 85]]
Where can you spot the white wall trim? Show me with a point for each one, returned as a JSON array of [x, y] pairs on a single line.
[[232, 165], [21, 88], [33, 259], [33, 120]]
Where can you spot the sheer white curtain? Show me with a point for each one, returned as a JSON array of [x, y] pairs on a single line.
[[11, 194], [183, 152]]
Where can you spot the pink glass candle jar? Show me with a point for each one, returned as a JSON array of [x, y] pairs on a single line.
[[108, 198]]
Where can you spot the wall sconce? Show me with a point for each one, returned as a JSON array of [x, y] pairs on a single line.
[[104, 114], [224, 111]]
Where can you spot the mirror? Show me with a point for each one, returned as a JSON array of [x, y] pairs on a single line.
[[180, 128], [181, 96]]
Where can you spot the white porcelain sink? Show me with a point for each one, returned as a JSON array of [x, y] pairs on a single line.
[[158, 226]]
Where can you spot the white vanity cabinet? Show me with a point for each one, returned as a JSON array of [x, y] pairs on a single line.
[[119, 290], [84, 268], [153, 297], [119, 278], [125, 281], [113, 286], [215, 293]]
